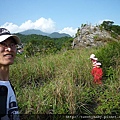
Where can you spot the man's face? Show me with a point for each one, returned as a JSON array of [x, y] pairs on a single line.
[[7, 52]]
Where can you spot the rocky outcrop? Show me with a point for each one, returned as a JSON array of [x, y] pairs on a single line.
[[89, 36]]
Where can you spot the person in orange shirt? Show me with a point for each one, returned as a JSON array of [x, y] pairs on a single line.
[[97, 73]]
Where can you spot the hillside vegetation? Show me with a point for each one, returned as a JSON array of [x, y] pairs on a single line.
[[62, 83], [52, 78]]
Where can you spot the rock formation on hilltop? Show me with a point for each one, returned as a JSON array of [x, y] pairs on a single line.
[[89, 36]]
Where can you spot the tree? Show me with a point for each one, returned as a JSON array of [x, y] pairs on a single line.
[[107, 25]]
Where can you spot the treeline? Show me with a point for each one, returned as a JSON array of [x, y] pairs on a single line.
[[110, 27], [38, 44], [34, 44]]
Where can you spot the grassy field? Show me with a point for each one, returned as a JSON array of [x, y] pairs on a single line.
[[62, 83]]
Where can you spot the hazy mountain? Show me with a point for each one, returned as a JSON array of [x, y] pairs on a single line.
[[33, 31], [38, 32], [58, 35]]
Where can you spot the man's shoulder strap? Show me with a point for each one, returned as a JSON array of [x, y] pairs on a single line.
[[12, 87]]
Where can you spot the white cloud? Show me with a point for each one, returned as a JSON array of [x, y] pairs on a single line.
[[101, 21], [45, 25], [69, 30], [11, 27], [27, 25]]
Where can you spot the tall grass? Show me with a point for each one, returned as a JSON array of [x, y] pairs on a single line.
[[62, 84]]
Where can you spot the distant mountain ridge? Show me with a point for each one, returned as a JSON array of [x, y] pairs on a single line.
[[58, 35], [39, 32], [33, 31]]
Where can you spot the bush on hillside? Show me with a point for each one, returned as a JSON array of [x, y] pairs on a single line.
[[108, 56], [62, 83]]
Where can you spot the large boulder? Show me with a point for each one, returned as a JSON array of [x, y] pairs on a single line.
[[89, 36]]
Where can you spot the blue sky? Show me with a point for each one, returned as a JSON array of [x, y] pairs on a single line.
[[56, 15]]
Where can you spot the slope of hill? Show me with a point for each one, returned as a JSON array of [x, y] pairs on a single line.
[[88, 36]]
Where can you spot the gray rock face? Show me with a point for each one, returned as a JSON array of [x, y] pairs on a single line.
[[89, 36]]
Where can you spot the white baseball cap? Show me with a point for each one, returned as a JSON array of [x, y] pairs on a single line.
[[98, 64], [92, 56], [95, 59], [5, 34]]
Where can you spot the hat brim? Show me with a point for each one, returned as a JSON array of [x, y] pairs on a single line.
[[94, 58], [16, 38], [98, 64]]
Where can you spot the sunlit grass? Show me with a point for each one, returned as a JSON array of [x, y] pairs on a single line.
[[60, 84]]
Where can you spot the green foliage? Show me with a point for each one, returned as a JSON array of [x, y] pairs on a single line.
[[109, 56], [113, 29], [116, 29], [108, 102], [114, 35], [29, 49], [38, 44], [96, 37], [101, 27], [67, 45], [107, 25], [62, 83]]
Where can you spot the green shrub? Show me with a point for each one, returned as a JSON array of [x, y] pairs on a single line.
[[62, 83], [108, 56]]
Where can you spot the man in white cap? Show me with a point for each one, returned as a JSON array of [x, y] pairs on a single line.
[[8, 50]]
